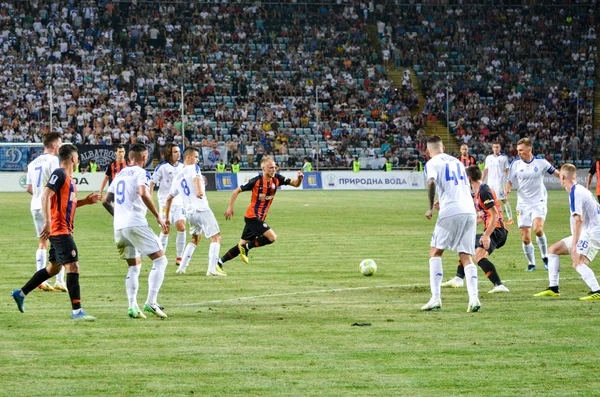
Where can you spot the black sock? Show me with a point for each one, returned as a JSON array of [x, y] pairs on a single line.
[[232, 253], [73, 287], [490, 271], [259, 242], [460, 270], [39, 277], [555, 289]]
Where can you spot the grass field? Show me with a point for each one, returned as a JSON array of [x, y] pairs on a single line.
[[282, 325]]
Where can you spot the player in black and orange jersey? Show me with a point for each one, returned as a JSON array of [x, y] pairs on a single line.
[[59, 202], [494, 236], [464, 156], [594, 170], [256, 232], [114, 168]]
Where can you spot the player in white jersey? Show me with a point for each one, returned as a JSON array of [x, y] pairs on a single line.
[[38, 173], [584, 242], [496, 171], [127, 199], [163, 177], [456, 225], [527, 173], [189, 185]]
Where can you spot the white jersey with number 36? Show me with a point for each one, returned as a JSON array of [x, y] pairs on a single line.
[[452, 185], [38, 173], [129, 209]]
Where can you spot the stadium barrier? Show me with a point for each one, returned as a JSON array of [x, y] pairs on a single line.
[[17, 181]]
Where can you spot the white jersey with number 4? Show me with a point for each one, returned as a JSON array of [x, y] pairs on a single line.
[[38, 173], [163, 177], [183, 186], [129, 209], [528, 178], [452, 185], [583, 203], [496, 166]]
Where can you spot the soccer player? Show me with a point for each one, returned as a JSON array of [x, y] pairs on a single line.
[[494, 236], [496, 171], [59, 202], [163, 176], [456, 225], [527, 172], [114, 168], [38, 174], [189, 183], [594, 170], [583, 243], [465, 158], [257, 232], [128, 199]]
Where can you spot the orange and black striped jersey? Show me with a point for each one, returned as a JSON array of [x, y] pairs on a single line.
[[113, 169], [467, 161], [63, 203], [263, 192], [486, 199]]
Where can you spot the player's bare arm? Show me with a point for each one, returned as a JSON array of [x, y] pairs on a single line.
[[229, 211], [587, 185], [297, 182], [577, 226], [144, 193], [107, 203], [29, 189], [103, 185], [508, 188], [484, 175], [168, 210], [46, 199], [430, 197], [487, 233], [199, 190], [91, 198]]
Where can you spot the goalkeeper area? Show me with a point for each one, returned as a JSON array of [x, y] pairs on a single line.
[[283, 324]]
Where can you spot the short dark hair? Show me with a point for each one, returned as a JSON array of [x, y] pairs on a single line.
[[119, 146], [474, 172], [189, 150], [50, 138], [136, 150], [65, 153], [434, 139]]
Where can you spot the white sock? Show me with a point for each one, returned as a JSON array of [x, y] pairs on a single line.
[[472, 281], [436, 273], [156, 277], [529, 253], [60, 277], [164, 240], [508, 211], [132, 284], [187, 255], [180, 244], [588, 276], [543, 244], [213, 256], [40, 259], [553, 269]]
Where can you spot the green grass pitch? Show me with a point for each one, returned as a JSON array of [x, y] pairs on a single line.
[[282, 325]]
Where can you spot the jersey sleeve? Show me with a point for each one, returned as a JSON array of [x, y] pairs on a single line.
[[283, 180], [487, 162], [157, 176], [57, 179], [506, 166], [111, 188], [512, 175], [30, 180], [549, 167], [108, 172], [576, 202], [592, 169], [430, 171], [250, 184], [486, 197], [174, 191], [143, 178]]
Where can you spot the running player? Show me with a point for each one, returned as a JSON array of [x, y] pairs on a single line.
[[583, 243], [59, 202], [114, 167], [127, 199], [496, 171], [38, 173], [527, 172], [163, 177], [189, 183], [257, 232], [456, 225]]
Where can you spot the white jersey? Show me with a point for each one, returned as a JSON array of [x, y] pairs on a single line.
[[496, 166], [452, 185], [163, 178], [38, 173], [129, 209], [183, 186], [528, 178], [583, 203]]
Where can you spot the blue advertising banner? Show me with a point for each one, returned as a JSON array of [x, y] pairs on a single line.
[[13, 158], [312, 180], [226, 180]]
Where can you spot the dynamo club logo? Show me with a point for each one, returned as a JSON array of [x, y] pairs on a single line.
[[214, 156], [13, 155]]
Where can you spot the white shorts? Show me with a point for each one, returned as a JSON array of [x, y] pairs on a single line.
[[455, 233], [203, 222], [500, 190], [526, 214], [177, 213], [133, 241], [586, 246], [38, 221]]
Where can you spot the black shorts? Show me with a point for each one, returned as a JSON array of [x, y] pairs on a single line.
[[254, 228], [63, 249], [497, 239]]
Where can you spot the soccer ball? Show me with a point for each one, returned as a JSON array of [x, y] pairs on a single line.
[[368, 267]]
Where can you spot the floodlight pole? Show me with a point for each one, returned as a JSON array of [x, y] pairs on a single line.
[[448, 114], [318, 127], [51, 105]]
